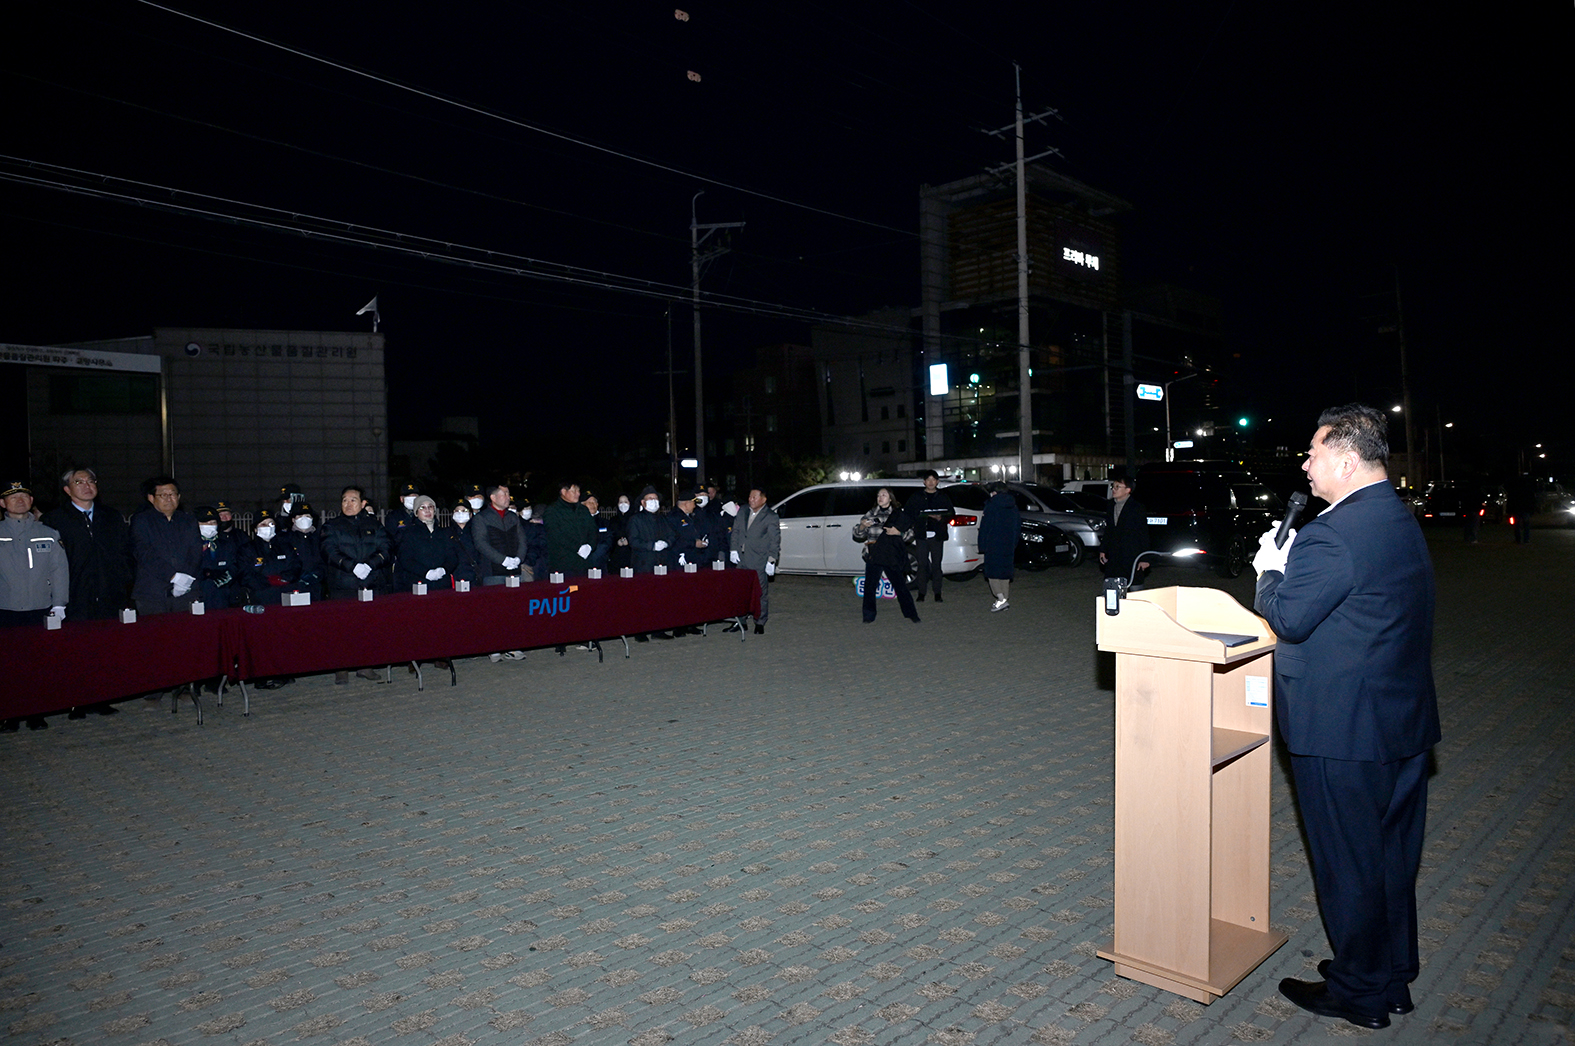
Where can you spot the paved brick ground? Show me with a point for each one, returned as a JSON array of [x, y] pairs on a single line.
[[834, 833]]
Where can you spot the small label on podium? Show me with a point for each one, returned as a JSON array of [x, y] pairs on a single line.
[[364, 595], [128, 616], [512, 581], [419, 588], [691, 568], [199, 607], [297, 599], [556, 577], [594, 574], [1257, 691], [461, 586], [52, 622], [626, 572], [660, 570]]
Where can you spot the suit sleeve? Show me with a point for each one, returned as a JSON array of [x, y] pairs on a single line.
[[481, 534], [773, 538], [1317, 578]]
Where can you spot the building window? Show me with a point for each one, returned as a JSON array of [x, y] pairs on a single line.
[[902, 410], [749, 444], [771, 384], [885, 413], [902, 446], [831, 410], [771, 422], [728, 447], [866, 450], [885, 446]]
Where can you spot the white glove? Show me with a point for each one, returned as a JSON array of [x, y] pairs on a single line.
[[771, 569], [180, 584], [59, 612], [585, 552], [660, 545], [732, 557], [731, 508], [435, 573], [362, 571], [681, 560], [1269, 557], [511, 562]]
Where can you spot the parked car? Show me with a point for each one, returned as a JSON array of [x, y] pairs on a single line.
[[1041, 544], [1036, 501], [1096, 488], [817, 529], [1448, 502], [1222, 511]]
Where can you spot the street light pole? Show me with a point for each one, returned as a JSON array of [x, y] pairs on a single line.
[[1170, 452]]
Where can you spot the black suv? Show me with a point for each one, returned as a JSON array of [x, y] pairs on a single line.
[[1221, 510]]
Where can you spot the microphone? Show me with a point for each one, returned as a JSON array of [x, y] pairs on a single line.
[[1293, 508]]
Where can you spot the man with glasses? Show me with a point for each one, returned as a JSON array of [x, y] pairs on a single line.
[[167, 548]]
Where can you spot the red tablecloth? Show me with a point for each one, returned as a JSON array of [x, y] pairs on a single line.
[[340, 634], [86, 662]]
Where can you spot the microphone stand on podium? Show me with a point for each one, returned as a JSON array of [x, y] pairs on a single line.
[[1116, 589]]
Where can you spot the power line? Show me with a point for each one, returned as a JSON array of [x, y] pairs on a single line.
[[515, 122]]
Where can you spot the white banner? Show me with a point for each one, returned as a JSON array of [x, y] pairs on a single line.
[[81, 359]]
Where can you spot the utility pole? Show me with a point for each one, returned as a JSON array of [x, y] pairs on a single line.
[[1025, 394], [695, 260], [1418, 475]]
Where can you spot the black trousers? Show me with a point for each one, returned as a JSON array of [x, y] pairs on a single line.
[[929, 552], [899, 581], [1365, 822]]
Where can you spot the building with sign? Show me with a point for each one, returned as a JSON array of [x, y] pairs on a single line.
[[231, 414], [969, 315]]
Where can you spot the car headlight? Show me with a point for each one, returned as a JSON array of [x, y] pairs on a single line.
[[1036, 538]]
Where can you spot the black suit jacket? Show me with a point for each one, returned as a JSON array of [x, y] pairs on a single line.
[[1354, 615]]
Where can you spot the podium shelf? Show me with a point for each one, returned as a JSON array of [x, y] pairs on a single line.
[[1228, 744]]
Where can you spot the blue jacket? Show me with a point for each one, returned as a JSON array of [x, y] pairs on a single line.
[[1354, 614]]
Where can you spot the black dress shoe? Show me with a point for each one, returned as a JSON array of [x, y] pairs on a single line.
[[37, 722], [919, 598], [760, 629], [10, 726], [1401, 1007], [642, 638], [734, 627], [77, 713], [1314, 997], [104, 709]]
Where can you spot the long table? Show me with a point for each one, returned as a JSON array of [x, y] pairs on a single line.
[[83, 663]]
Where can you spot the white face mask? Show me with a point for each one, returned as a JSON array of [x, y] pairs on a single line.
[[410, 503], [209, 531], [700, 500], [623, 506], [652, 505], [266, 532], [284, 507], [461, 517], [475, 503], [525, 513], [303, 523]]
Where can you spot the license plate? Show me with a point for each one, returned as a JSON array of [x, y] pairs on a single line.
[[1158, 521], [1446, 513]]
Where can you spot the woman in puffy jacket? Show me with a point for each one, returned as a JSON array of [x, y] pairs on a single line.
[[428, 554]]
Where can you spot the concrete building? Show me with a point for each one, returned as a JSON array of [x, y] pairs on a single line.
[[231, 414]]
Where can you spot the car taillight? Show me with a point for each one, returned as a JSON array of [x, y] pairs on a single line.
[[961, 520]]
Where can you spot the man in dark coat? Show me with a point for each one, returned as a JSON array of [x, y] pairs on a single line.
[[356, 550], [1127, 537], [931, 511], [1351, 598], [571, 533], [998, 536], [167, 548], [98, 546], [499, 537]]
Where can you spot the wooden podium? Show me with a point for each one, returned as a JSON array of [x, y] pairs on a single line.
[[1192, 789]]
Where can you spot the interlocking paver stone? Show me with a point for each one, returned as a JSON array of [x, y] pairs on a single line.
[[834, 833]]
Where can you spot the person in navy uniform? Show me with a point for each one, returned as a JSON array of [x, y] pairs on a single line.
[[1350, 597], [221, 562]]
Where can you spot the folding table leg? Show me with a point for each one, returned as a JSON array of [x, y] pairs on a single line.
[[416, 668]]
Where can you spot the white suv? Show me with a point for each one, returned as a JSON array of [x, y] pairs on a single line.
[[817, 528]]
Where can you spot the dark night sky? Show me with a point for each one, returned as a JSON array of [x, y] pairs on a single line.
[[1287, 160]]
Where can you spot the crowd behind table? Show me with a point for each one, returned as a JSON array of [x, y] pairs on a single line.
[[84, 561]]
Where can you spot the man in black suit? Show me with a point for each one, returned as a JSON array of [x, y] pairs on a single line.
[[1351, 599]]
